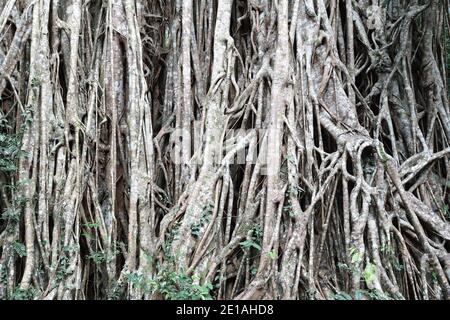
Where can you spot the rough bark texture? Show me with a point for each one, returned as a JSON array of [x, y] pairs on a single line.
[[264, 149]]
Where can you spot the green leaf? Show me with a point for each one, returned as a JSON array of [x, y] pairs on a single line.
[[360, 294], [249, 243], [356, 256], [445, 211], [272, 255], [19, 248], [342, 296], [92, 225], [369, 273]]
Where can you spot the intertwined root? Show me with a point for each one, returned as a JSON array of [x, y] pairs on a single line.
[[229, 149]]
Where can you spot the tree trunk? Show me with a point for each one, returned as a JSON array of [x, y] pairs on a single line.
[[224, 149]]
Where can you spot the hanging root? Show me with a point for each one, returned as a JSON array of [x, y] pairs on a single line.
[[224, 149]]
